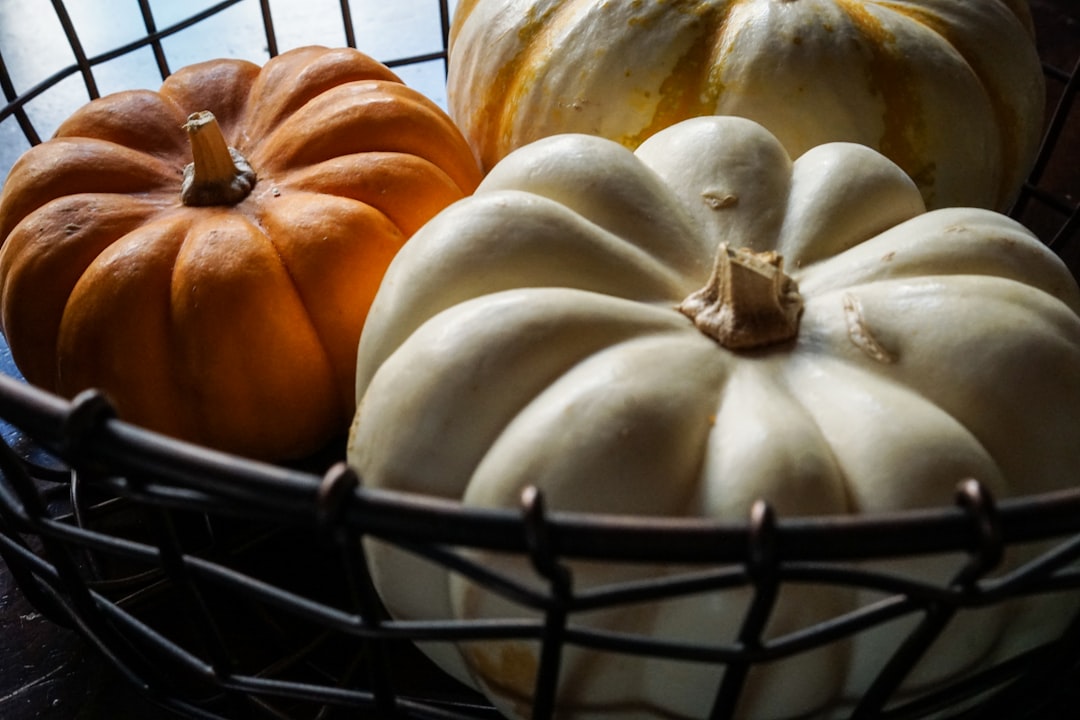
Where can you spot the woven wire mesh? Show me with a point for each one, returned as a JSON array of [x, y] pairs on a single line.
[[224, 588]]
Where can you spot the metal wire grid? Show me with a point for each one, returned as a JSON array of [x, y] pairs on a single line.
[[155, 548], [164, 556], [85, 66], [1054, 215]]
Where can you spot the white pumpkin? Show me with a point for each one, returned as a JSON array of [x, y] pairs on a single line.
[[682, 331], [951, 90]]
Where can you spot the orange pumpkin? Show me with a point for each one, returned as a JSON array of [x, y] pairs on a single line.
[[229, 316]]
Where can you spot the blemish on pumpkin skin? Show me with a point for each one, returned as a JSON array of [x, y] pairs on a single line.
[[860, 334], [718, 200]]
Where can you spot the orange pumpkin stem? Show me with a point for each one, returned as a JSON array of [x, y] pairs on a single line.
[[218, 174], [748, 302]]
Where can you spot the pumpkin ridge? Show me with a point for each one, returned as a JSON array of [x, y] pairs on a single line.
[[324, 346], [643, 273], [95, 221], [295, 78], [770, 378], [381, 234], [356, 197], [888, 78], [947, 385], [86, 356], [1009, 120], [618, 377], [140, 120], [893, 397], [494, 119], [608, 195], [575, 324], [200, 374], [377, 116], [72, 166], [464, 9], [1022, 10], [990, 245], [410, 191], [219, 86], [694, 86]]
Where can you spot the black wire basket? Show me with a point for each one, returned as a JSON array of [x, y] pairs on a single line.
[[226, 588]]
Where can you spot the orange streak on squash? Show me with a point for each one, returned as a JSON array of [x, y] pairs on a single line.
[[509, 667], [461, 13], [1008, 119], [496, 110], [904, 131], [692, 88]]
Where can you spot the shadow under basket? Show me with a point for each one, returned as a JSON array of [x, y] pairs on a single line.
[[225, 588]]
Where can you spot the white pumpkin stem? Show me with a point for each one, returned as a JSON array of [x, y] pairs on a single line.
[[748, 302], [218, 174]]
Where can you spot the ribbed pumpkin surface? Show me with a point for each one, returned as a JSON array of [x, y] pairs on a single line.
[[951, 90]]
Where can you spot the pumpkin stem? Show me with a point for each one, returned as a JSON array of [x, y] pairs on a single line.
[[219, 174], [748, 302]]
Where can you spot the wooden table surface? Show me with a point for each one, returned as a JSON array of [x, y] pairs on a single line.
[[48, 673]]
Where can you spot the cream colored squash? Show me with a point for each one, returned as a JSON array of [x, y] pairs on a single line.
[[951, 90], [684, 330]]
